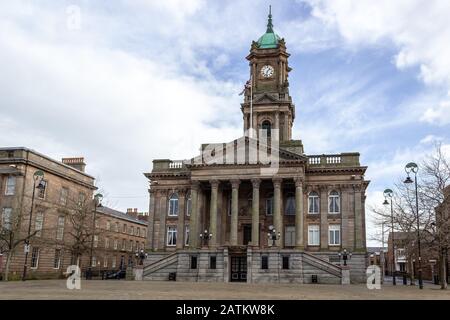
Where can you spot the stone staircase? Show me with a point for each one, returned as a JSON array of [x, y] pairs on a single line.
[[160, 269], [323, 269]]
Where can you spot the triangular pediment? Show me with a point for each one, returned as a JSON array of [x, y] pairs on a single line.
[[266, 98], [244, 151]]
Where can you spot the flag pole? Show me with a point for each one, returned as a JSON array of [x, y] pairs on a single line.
[[251, 106]]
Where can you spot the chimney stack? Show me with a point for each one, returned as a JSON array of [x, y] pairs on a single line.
[[76, 163]]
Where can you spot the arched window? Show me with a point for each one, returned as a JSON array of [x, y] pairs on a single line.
[[188, 205], [290, 205], [334, 202], [173, 205], [269, 205], [313, 202], [266, 125]]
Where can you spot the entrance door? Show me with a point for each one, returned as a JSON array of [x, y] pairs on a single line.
[[239, 269], [247, 234]]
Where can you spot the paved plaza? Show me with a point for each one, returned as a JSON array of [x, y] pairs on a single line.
[[121, 289]]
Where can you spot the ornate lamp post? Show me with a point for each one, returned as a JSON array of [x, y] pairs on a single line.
[[388, 193], [273, 235], [141, 256], [97, 203], [345, 256], [205, 236], [37, 184], [413, 168]]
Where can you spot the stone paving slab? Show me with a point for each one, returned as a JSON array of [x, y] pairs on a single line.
[[164, 290]]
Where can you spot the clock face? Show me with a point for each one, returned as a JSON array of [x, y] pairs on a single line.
[[267, 71]]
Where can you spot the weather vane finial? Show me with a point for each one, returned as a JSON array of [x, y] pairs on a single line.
[[269, 22]]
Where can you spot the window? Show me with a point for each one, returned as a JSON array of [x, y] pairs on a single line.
[[131, 245], [95, 241], [269, 206], [10, 186], [334, 232], [6, 218], [60, 228], [94, 262], [138, 231], [115, 244], [229, 205], [289, 236], [131, 230], [144, 234], [264, 262], [57, 259], [186, 236], [124, 229], [38, 223], [333, 201], [106, 243], [105, 262], [188, 205], [123, 244], [63, 196], [212, 262], [285, 262], [171, 236], [290, 205], [108, 225], [81, 199], [113, 262], [193, 262], [313, 202], [116, 227], [266, 125], [41, 191], [97, 223], [34, 258], [173, 205], [313, 235]]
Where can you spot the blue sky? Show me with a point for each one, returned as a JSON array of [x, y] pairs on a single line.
[[122, 83]]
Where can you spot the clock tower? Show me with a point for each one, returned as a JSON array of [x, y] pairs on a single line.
[[267, 104]]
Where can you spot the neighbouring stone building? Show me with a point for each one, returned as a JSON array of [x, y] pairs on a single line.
[[62, 184], [236, 194], [63, 202]]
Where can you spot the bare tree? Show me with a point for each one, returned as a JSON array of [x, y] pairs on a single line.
[[434, 228]]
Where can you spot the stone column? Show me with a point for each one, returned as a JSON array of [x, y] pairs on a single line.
[[213, 213], [151, 218], [234, 212], [277, 222], [277, 126], [255, 212], [359, 237], [193, 224], [323, 218], [163, 216], [181, 213], [299, 213], [286, 127]]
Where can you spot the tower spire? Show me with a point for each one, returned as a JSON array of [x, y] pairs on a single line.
[[269, 22]]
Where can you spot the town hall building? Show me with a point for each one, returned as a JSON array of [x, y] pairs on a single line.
[[258, 209]]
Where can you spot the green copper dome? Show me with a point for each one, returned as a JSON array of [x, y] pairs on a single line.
[[270, 39]]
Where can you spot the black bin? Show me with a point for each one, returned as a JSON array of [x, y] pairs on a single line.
[[314, 278], [172, 276]]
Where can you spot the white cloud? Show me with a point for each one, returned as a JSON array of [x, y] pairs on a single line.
[[419, 31]]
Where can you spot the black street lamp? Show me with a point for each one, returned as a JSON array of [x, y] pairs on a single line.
[[37, 184], [141, 256], [345, 256], [412, 167], [273, 235], [205, 236], [97, 203], [388, 193]]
